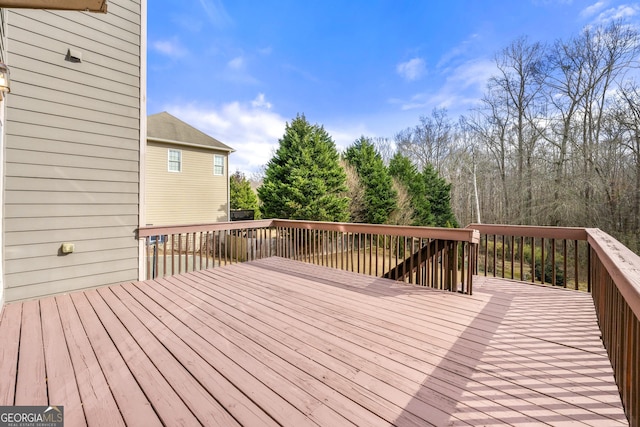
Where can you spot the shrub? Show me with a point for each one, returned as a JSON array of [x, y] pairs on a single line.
[[548, 271]]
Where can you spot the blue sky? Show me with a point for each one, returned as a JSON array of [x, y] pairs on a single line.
[[238, 70]]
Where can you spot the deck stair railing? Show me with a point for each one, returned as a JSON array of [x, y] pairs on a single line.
[[440, 258], [430, 252]]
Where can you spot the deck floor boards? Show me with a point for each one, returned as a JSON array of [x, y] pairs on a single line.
[[281, 342]]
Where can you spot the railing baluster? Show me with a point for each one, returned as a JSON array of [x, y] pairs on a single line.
[[503, 257], [336, 247], [588, 269], [513, 259], [533, 260], [553, 262], [495, 255], [521, 257], [564, 262], [193, 249]]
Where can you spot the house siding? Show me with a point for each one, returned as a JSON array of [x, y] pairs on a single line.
[[3, 56], [194, 195], [72, 149]]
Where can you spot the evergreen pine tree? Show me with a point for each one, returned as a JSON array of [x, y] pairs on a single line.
[[380, 196], [438, 192], [304, 179], [241, 195], [407, 174]]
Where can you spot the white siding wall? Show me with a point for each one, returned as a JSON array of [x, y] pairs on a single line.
[[72, 149]]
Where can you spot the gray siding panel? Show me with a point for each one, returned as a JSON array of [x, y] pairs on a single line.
[[70, 198], [43, 250], [24, 130], [79, 113], [39, 266], [67, 160], [86, 146], [62, 121], [82, 174], [62, 223], [72, 150], [57, 28], [90, 67], [53, 211], [17, 238], [60, 185], [75, 100], [41, 274], [108, 275], [40, 81]]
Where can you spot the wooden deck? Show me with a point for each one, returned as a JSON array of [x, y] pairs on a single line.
[[278, 342]]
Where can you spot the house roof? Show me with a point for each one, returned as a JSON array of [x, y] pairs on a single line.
[[163, 127]]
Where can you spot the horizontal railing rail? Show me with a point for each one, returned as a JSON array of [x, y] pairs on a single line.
[[428, 256]]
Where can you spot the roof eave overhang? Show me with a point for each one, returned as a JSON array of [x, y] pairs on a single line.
[[99, 6], [189, 144]]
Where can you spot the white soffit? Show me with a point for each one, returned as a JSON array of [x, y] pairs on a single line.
[[84, 5]]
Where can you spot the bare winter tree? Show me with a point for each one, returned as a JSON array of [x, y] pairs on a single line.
[[626, 113], [518, 87], [429, 142], [586, 69], [355, 193], [385, 147]]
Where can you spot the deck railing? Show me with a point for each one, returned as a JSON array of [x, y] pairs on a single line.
[[183, 248], [577, 258], [556, 256], [615, 277], [435, 257]]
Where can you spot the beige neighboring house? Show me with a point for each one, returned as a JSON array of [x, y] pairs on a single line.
[[187, 174]]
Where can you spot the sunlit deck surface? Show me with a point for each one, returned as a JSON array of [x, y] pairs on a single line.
[[279, 342]]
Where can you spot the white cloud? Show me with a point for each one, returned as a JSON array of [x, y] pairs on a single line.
[[237, 71], [236, 63], [412, 69], [188, 23], [250, 128], [261, 102], [458, 51], [292, 69], [462, 88], [593, 9], [216, 12], [621, 12], [171, 48], [344, 136]]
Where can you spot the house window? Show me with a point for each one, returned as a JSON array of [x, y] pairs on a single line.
[[175, 160], [218, 165]]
